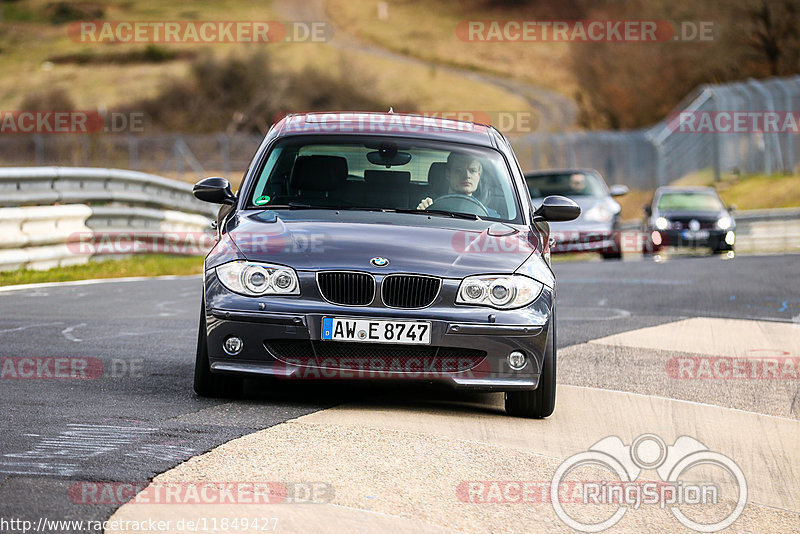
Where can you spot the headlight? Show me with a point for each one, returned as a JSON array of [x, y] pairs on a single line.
[[723, 223], [598, 214], [504, 292], [662, 223], [256, 279]]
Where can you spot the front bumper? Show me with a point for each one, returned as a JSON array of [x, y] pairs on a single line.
[[607, 241], [714, 239], [469, 345]]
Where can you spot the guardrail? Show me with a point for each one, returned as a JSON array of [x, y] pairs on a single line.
[[47, 213], [20, 186], [776, 230]]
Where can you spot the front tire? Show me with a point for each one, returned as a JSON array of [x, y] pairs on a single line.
[[615, 251], [206, 383], [541, 402]]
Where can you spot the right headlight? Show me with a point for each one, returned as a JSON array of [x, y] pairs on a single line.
[[497, 291], [662, 223], [257, 279]]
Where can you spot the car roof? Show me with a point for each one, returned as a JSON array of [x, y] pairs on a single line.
[[545, 172], [386, 124]]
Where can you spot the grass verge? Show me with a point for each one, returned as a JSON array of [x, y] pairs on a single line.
[[27, 43], [151, 265], [429, 31]]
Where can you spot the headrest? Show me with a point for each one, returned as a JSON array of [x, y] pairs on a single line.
[[388, 179], [319, 173], [437, 177]]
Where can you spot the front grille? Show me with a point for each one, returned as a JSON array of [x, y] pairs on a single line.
[[409, 290], [681, 223], [353, 355], [347, 288]]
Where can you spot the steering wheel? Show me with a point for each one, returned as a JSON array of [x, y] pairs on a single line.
[[460, 203]]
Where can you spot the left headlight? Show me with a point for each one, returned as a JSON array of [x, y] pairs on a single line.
[[256, 279], [598, 214], [503, 292], [723, 223]]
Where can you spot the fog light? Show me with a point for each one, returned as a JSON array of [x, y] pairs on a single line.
[[730, 238], [517, 360], [233, 345]]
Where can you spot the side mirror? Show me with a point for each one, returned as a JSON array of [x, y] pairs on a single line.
[[732, 207], [618, 190], [215, 190], [556, 208], [647, 210]]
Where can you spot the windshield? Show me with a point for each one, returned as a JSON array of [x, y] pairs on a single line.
[[568, 184], [388, 174], [690, 201]]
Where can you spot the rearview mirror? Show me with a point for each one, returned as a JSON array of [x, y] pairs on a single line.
[[556, 208], [618, 190], [215, 190]]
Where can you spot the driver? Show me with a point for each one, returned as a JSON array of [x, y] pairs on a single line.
[[577, 184], [463, 173]]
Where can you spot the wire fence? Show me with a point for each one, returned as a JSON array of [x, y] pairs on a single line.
[[746, 127], [166, 154]]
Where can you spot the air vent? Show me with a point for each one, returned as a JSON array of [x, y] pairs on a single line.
[[409, 290], [347, 288]]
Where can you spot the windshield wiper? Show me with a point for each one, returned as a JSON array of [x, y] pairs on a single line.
[[297, 206], [453, 214], [444, 213]]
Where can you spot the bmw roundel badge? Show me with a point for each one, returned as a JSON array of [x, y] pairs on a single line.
[[379, 262]]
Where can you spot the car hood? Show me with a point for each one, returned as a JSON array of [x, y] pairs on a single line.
[[349, 240], [581, 223], [700, 216]]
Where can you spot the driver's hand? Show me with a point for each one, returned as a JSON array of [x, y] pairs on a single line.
[[424, 203]]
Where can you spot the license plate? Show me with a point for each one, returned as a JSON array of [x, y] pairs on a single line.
[[366, 330], [699, 234]]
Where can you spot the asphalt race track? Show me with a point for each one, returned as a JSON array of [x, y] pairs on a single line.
[[137, 416]]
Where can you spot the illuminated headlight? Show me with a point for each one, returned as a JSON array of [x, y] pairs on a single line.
[[598, 214], [504, 292], [723, 223], [256, 279], [662, 223]]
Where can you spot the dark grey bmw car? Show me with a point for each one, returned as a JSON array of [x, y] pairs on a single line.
[[382, 246]]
